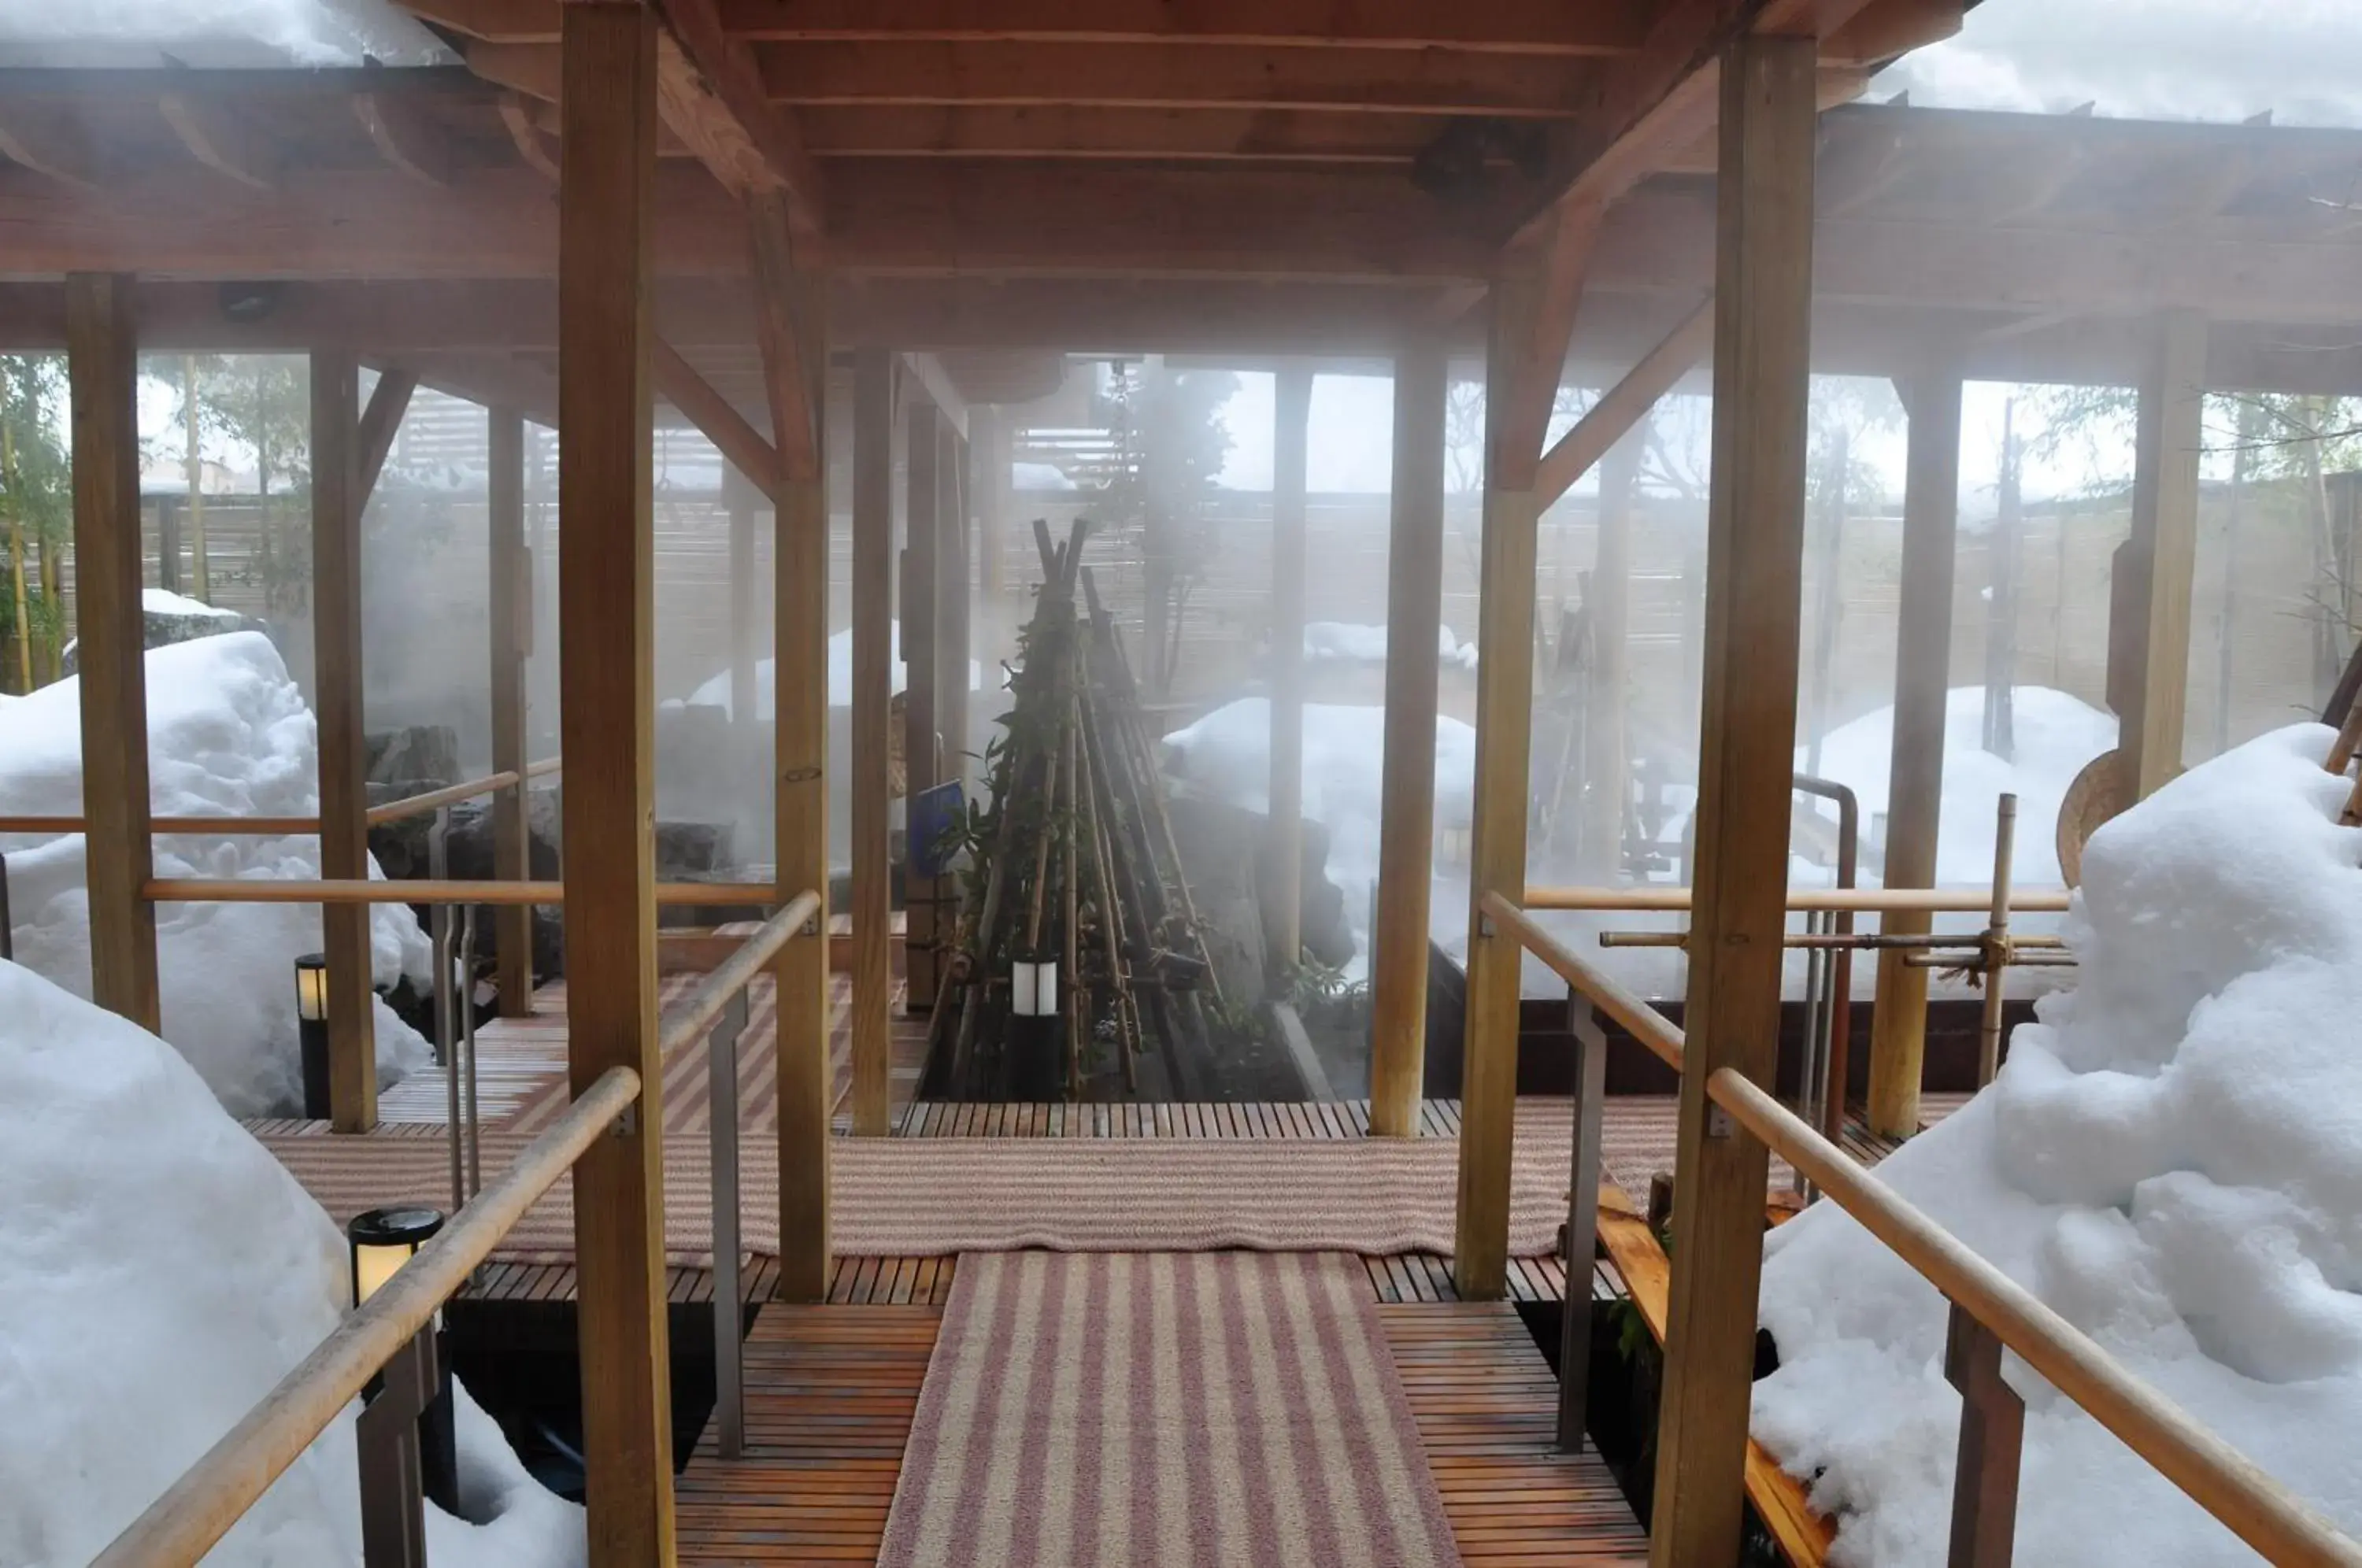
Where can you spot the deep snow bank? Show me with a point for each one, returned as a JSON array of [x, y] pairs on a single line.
[[228, 734], [159, 1273], [2172, 1159]]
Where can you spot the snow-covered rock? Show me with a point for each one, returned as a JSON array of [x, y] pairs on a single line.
[[2172, 1158], [228, 734], [159, 1273]]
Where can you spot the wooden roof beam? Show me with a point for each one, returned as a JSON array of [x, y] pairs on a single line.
[[1624, 404], [679, 383], [1523, 27], [713, 97]]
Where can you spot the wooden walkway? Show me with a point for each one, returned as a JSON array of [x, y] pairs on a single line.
[[831, 1391]]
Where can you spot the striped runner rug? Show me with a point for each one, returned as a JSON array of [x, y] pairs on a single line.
[[1109, 1410], [933, 1197]]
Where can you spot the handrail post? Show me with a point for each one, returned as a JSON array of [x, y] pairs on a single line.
[[1582, 1223], [393, 1463], [439, 925], [1992, 1433], [721, 1070]]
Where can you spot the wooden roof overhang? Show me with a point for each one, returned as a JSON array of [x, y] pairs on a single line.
[[1240, 177]]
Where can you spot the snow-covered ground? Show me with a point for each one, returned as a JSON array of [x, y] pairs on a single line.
[[1226, 755], [159, 1273], [1348, 642], [2172, 1158], [715, 692], [228, 734]]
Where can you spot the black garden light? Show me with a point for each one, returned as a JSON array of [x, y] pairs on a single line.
[[312, 1031], [381, 1240]]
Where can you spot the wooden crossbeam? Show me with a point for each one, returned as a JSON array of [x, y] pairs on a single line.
[[713, 97], [380, 423], [1624, 404], [1104, 131], [1533, 26], [679, 383]]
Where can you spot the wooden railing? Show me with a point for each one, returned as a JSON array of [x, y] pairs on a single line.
[[354, 890], [1990, 1312], [277, 827], [1877, 900], [200, 1507]]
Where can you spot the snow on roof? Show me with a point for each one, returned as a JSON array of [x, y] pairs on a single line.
[[213, 34], [2170, 1159]]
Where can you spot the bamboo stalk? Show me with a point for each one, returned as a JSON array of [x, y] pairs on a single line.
[[1997, 941]]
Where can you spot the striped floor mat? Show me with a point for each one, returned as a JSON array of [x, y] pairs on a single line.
[[1207, 1409]]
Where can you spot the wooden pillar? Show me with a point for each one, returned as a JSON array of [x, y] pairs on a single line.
[[2148, 652], [1505, 699], [1406, 809], [1923, 653], [1755, 540], [1606, 764], [337, 502], [800, 752], [873, 614], [606, 612], [921, 622], [512, 624], [1282, 871], [102, 369], [988, 457]]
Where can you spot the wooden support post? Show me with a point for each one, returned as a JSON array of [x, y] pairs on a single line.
[[1399, 946], [1992, 1439], [1606, 766], [921, 620], [1505, 699], [102, 369], [2149, 654], [337, 501], [990, 432], [738, 497], [606, 606], [512, 624], [1755, 539], [800, 754], [873, 617], [1923, 653], [1283, 871]]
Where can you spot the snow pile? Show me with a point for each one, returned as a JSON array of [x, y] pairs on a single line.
[[715, 692], [159, 1273], [164, 602], [2054, 734], [2172, 1158], [228, 734], [1346, 642], [1039, 477], [1226, 755], [213, 33]]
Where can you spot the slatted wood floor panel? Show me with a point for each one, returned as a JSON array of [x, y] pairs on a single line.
[[1486, 1411], [830, 1393]]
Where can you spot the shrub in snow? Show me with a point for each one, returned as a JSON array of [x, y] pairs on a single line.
[[2172, 1158], [228, 734], [158, 1274]]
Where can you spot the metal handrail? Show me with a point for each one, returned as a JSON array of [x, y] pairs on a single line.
[[211, 1495], [1986, 1302], [719, 1005]]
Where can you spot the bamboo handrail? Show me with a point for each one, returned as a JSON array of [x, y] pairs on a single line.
[[200, 1507], [2256, 1508], [1646, 1025], [353, 890], [1884, 901], [695, 1013], [276, 827]]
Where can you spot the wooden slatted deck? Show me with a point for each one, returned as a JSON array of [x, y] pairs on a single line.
[[831, 1391]]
